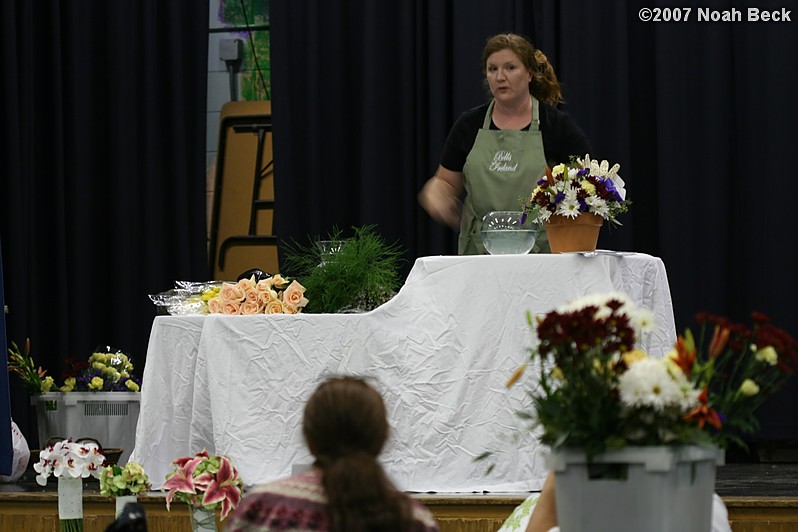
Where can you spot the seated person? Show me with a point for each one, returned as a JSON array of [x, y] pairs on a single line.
[[538, 513], [346, 490]]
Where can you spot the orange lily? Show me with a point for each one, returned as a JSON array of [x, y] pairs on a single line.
[[703, 413], [685, 354], [719, 340]]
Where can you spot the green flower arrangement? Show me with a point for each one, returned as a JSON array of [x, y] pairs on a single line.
[[106, 370], [118, 481], [355, 274]]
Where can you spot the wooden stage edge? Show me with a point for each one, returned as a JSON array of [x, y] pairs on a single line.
[[28, 511]]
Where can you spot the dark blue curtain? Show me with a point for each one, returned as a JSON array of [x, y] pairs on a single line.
[[102, 194], [700, 115]]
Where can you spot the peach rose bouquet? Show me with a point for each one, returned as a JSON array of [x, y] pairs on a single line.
[[273, 295]]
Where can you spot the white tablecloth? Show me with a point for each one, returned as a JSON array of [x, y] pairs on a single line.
[[440, 352]]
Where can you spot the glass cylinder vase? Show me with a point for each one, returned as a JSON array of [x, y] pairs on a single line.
[[202, 519], [70, 504], [122, 501]]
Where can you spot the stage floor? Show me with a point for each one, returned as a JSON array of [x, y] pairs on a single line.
[[759, 497]]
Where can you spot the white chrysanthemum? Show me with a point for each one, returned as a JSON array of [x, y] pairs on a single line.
[[568, 207], [543, 216], [643, 319], [598, 206], [597, 300], [648, 383]]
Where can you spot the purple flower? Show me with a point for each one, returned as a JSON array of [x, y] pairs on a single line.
[[610, 186], [582, 205], [583, 172], [559, 197]]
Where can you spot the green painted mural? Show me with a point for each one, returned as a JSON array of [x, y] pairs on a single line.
[[255, 79]]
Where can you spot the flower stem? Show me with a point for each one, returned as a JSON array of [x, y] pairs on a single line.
[[72, 525]]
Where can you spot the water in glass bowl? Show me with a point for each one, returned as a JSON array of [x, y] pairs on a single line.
[[504, 234], [508, 241]]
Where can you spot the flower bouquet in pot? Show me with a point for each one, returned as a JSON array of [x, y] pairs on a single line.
[[70, 463], [205, 482], [573, 201], [626, 421]]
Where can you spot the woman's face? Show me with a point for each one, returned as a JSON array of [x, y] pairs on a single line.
[[508, 78]]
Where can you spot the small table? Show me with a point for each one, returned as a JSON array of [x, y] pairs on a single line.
[[440, 353]]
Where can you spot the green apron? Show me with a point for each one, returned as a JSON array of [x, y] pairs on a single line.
[[499, 173]]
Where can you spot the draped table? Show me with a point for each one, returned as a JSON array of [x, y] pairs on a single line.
[[440, 353]]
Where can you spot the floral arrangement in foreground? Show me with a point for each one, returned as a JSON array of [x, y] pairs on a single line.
[[583, 186], [118, 481], [106, 370], [204, 481], [273, 295], [599, 392], [69, 459]]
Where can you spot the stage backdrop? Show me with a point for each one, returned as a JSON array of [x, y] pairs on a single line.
[[102, 144], [700, 115]]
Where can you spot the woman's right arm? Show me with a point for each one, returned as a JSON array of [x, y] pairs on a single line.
[[440, 196]]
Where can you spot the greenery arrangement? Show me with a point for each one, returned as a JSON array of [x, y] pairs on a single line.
[[358, 275]]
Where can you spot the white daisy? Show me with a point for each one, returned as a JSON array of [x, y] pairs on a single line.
[[648, 383]]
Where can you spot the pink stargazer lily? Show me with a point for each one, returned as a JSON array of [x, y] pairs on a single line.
[[182, 480], [204, 480], [225, 488]]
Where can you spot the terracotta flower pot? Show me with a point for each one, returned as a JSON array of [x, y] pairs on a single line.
[[573, 234]]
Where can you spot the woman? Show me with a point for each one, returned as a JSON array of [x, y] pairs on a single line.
[[345, 428], [498, 150]]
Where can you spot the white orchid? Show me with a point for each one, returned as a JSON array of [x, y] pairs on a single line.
[[69, 459]]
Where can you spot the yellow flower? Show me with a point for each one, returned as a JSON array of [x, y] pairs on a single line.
[[749, 388], [588, 187], [635, 355], [767, 354], [559, 169], [557, 373], [98, 365], [66, 388], [132, 386], [47, 384], [96, 384]]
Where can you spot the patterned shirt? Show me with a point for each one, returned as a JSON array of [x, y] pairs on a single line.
[[298, 504]]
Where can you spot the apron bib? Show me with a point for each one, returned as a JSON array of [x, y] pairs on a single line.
[[499, 173]]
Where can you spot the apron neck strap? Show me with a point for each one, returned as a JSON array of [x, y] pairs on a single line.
[[535, 126]]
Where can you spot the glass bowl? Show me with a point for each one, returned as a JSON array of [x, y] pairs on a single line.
[[504, 234]]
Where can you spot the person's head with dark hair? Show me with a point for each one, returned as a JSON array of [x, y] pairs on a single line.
[[345, 427], [543, 84]]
